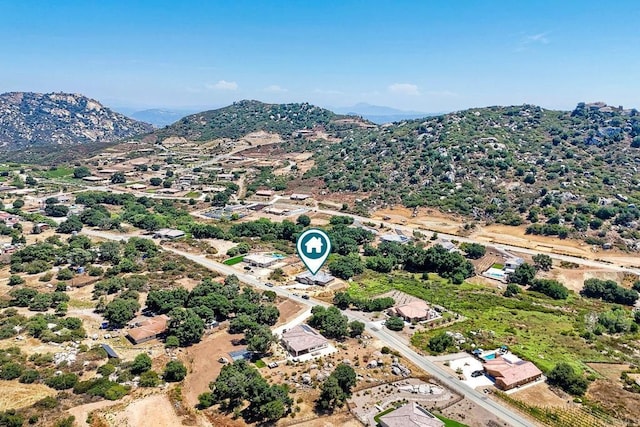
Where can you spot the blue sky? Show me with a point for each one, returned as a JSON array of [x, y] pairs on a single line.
[[429, 56]]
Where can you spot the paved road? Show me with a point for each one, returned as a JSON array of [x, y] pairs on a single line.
[[387, 337]]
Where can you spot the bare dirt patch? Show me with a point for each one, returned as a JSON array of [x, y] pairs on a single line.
[[203, 365], [611, 371], [14, 395], [620, 403], [574, 278], [288, 310], [542, 395], [152, 411]]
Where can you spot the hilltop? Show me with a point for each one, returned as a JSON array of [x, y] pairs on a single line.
[[35, 119], [244, 117]]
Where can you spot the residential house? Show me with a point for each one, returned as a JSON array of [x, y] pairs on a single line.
[[168, 233], [410, 415], [148, 329], [259, 260], [509, 374], [319, 279], [415, 311], [303, 339]]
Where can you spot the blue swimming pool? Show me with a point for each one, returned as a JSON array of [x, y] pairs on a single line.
[[489, 356]]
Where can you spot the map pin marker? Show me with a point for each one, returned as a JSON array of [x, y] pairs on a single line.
[[313, 248]]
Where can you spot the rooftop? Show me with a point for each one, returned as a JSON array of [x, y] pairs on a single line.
[[303, 337], [150, 328], [410, 415]]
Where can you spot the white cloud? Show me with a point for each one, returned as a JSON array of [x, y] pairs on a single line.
[[538, 38], [223, 85], [404, 89], [275, 89], [528, 40]]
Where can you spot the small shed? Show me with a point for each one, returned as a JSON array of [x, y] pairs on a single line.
[[111, 353]]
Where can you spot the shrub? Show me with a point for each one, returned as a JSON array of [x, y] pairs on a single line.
[[174, 371], [149, 379]]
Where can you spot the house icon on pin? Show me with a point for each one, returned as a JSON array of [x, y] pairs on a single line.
[[314, 245]]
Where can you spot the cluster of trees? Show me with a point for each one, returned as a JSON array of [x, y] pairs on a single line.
[[209, 301], [473, 250], [239, 383], [551, 288], [346, 266], [549, 230], [343, 300], [332, 323], [39, 301], [564, 376], [336, 389], [437, 259], [616, 321], [609, 291]]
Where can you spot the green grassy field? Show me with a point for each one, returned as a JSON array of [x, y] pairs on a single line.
[[260, 363], [233, 261], [536, 328], [60, 172], [192, 194]]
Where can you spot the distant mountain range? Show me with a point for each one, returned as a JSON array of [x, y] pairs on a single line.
[[160, 117], [35, 119], [380, 114]]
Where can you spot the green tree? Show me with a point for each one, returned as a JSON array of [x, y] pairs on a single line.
[[331, 395], [303, 220], [542, 262], [149, 379], [71, 224], [473, 250], [186, 325], [15, 280], [512, 289], [563, 376], [395, 323], [174, 371], [118, 178], [142, 363], [523, 274], [119, 311], [439, 343], [81, 172], [356, 328]]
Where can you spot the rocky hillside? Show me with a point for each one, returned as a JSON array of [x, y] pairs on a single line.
[[561, 172], [244, 117], [35, 119]]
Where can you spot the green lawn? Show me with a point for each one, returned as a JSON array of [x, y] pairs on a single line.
[[498, 266], [59, 172], [260, 363], [535, 328], [233, 261], [192, 194], [449, 423]]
